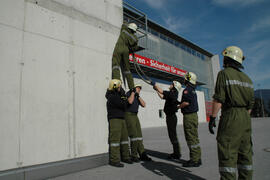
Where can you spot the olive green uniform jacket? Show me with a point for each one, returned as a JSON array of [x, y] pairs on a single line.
[[234, 90], [126, 44]]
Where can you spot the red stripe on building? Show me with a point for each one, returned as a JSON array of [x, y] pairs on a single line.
[[157, 65]]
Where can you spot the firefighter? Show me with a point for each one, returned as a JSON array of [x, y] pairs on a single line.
[[133, 124], [170, 109], [126, 44], [189, 109], [118, 135], [234, 96]]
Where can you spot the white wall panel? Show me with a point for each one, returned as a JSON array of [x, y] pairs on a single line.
[[65, 2], [48, 23], [91, 79], [115, 2], [215, 66], [94, 8], [88, 36], [201, 102], [149, 116], [112, 39], [44, 130], [54, 124], [113, 14], [10, 58], [12, 12]]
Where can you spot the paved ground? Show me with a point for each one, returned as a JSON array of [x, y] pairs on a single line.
[[157, 143]]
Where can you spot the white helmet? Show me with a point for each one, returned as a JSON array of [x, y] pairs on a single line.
[[177, 85], [114, 84], [191, 77], [234, 53], [138, 85], [133, 26]]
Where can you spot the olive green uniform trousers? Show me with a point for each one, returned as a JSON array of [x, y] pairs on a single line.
[[120, 60], [118, 140], [234, 144], [191, 135], [171, 121], [135, 134]]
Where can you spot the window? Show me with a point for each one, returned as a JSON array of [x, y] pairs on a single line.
[[198, 54], [163, 37], [183, 47], [153, 32], [170, 41], [193, 52], [189, 50], [202, 57]]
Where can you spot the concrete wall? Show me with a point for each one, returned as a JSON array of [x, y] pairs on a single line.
[[149, 116], [215, 66], [55, 64]]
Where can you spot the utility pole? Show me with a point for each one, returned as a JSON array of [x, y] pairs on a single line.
[[261, 100]]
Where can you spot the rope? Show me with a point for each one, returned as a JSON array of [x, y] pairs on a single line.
[[138, 68]]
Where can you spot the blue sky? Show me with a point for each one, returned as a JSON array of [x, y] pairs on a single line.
[[216, 24]]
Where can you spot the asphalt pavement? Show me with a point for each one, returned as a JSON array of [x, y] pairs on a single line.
[[157, 143]]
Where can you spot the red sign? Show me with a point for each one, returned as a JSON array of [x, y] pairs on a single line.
[[157, 65]]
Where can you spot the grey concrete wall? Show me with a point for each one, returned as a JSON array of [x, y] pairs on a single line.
[[55, 64], [215, 66]]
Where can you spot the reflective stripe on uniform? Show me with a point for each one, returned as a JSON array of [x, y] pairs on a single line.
[[227, 169], [136, 139], [239, 83], [127, 33], [124, 142], [115, 144], [194, 146], [115, 67], [127, 72], [245, 167]]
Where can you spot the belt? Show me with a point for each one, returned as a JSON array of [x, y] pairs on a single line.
[[134, 113], [186, 113]]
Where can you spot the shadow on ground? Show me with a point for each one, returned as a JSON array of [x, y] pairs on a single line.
[[162, 155], [168, 170]]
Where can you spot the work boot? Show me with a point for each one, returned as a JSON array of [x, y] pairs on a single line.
[[135, 159], [116, 164], [144, 157], [174, 156], [191, 163], [128, 161]]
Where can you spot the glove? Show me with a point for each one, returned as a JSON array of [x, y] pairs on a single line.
[[137, 95], [133, 90], [212, 123], [122, 92]]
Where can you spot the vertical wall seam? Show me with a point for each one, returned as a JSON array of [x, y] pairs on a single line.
[[72, 68], [19, 163]]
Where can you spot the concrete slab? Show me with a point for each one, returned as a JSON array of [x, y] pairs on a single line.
[[157, 142], [10, 68], [12, 13]]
